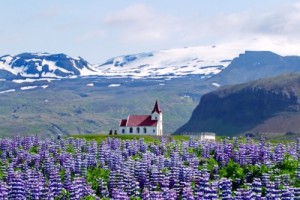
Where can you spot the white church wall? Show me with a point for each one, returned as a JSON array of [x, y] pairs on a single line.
[[150, 130]]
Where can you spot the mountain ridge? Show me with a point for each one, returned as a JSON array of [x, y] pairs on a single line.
[[207, 63], [171, 63]]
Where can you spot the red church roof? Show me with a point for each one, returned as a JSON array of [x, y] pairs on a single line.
[[138, 120], [156, 108], [123, 122]]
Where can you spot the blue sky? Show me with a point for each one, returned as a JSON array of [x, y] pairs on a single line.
[[98, 30]]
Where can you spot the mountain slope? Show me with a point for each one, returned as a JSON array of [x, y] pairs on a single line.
[[43, 65], [267, 105]]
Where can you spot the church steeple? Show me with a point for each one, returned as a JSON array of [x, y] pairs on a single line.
[[156, 108]]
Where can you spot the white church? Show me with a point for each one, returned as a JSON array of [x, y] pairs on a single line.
[[143, 124]]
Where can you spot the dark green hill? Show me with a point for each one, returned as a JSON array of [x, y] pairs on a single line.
[[268, 106]]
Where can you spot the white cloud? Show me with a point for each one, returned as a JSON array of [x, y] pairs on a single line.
[[276, 44], [141, 23]]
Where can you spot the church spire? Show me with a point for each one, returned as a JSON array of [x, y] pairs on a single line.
[[156, 108]]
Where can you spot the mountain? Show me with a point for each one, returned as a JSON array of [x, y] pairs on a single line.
[[201, 61], [193, 61], [92, 98], [217, 65], [253, 65], [269, 105], [43, 65]]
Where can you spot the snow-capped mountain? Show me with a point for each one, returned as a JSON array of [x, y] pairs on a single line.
[[204, 61], [43, 65]]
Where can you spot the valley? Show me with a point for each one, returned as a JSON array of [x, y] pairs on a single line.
[[73, 106], [50, 94]]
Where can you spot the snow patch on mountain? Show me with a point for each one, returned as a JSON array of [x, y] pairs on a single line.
[[30, 80], [28, 87], [204, 60], [7, 91], [216, 84], [114, 85]]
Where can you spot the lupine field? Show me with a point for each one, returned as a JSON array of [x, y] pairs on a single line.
[[33, 168]]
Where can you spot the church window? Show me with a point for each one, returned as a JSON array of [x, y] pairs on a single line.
[[130, 130], [145, 130], [138, 129], [123, 130], [153, 130]]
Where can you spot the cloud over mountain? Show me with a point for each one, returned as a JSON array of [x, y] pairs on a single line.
[[100, 30]]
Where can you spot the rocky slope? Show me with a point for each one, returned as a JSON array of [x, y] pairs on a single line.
[[268, 106]]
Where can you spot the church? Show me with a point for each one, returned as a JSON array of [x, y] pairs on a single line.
[[143, 124]]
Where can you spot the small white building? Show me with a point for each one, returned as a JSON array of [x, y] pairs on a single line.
[[143, 124], [207, 136], [203, 136]]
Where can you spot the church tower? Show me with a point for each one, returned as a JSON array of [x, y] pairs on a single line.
[[157, 115]]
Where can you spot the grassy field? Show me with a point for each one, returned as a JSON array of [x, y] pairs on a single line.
[[278, 137], [101, 137], [169, 138], [147, 138]]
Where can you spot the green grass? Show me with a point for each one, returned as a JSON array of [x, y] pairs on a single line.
[[274, 138], [147, 138], [93, 174], [33, 150], [101, 137], [180, 137]]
